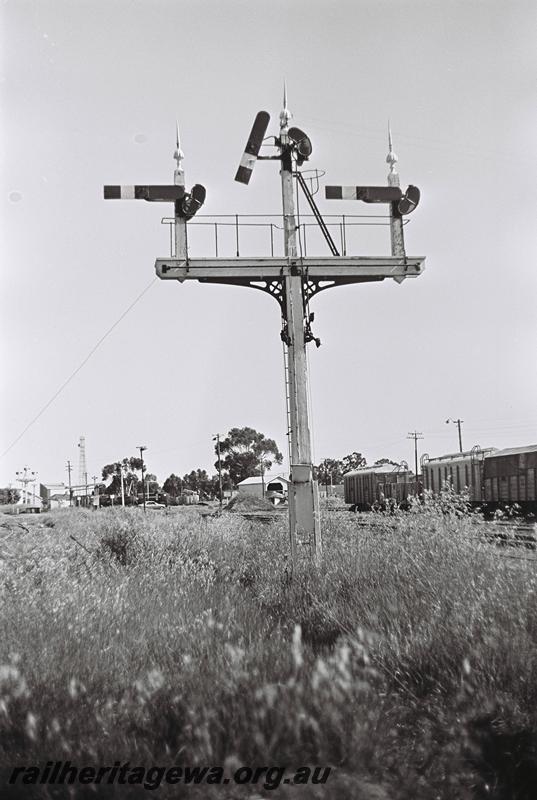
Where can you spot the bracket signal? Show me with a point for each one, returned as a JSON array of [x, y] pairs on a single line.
[[292, 280]]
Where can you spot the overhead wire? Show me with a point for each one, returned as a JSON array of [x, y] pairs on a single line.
[[411, 140], [77, 370]]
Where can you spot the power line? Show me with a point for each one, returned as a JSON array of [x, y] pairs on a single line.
[[411, 139], [77, 370]]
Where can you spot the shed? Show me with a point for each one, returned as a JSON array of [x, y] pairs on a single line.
[[267, 485]]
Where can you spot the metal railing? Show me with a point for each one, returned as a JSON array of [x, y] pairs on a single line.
[[218, 225]]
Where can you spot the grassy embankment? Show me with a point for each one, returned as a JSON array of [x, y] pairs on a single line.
[[407, 661]]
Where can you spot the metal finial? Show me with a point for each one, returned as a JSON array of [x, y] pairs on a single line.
[[391, 158], [178, 155], [179, 175], [285, 115]]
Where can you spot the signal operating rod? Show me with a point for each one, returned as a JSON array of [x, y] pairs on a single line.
[[317, 213]]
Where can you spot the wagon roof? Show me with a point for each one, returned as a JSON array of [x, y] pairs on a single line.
[[460, 456], [514, 451], [380, 469]]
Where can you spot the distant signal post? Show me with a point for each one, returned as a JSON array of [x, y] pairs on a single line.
[[292, 280]]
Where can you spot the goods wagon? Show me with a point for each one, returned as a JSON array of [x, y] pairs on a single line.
[[509, 477], [378, 486], [461, 471], [493, 478]]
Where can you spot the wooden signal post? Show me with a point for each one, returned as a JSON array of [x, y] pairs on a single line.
[[292, 280], [304, 520]]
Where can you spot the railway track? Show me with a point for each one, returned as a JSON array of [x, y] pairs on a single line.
[[504, 533], [510, 533]]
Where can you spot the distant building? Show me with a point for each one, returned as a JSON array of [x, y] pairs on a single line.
[[273, 487], [54, 495]]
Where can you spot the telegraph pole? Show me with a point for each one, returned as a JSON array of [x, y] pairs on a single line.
[[69, 468], [95, 495], [122, 481], [458, 423], [141, 448], [217, 439], [415, 435]]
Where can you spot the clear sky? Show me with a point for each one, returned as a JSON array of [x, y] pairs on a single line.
[[90, 93]]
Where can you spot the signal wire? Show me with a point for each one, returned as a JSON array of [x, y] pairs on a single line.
[[77, 370]]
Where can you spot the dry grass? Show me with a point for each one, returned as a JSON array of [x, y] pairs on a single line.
[[407, 661]]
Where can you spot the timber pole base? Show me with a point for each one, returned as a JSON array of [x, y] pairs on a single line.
[[304, 516]]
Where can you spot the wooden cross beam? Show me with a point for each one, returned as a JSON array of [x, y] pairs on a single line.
[[323, 268], [269, 274]]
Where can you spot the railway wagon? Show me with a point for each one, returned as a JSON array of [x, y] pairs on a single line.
[[493, 478], [509, 476], [377, 486], [460, 471]]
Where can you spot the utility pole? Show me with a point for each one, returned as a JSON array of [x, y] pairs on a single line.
[[217, 440], [262, 466], [458, 423], [415, 435], [141, 448], [82, 468], [69, 468], [122, 481], [95, 495]]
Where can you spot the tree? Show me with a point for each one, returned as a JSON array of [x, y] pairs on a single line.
[[8, 495], [247, 452], [130, 479], [330, 470], [199, 481], [353, 461], [173, 485], [132, 463], [382, 461]]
